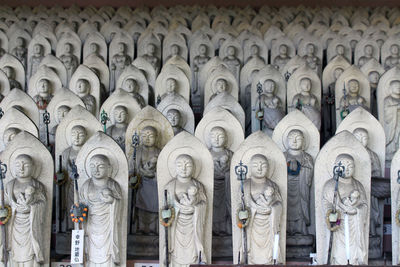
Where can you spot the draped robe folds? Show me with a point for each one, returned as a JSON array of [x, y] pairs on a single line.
[[263, 225], [120, 62], [273, 112], [392, 125], [90, 103], [358, 222], [309, 109], [25, 229], [376, 171], [298, 214], [103, 227], [187, 230]]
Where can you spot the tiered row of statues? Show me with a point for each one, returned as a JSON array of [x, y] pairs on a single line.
[[190, 133]]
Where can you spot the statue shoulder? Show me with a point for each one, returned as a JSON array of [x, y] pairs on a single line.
[[114, 185]]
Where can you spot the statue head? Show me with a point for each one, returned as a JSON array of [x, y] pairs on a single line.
[[368, 50], [394, 49], [151, 49], [68, 48], [171, 85], [202, 50], [231, 50], [283, 50], [9, 134], [353, 44], [38, 49], [148, 136], [44, 87], [340, 50], [269, 86], [310, 48], [259, 166], [61, 112], [395, 88], [373, 77], [217, 137], [94, 48], [354, 86], [254, 50], [305, 85], [20, 41], [82, 86], [362, 135], [185, 166], [120, 114], [295, 140], [23, 166], [78, 135], [121, 48], [337, 72], [174, 50], [348, 163], [221, 85], [100, 167], [9, 71], [174, 117], [131, 86]]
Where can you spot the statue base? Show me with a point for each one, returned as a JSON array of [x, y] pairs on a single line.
[[222, 247], [142, 246], [299, 246], [375, 247]]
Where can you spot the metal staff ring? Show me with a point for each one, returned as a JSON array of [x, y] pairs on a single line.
[[329, 223]]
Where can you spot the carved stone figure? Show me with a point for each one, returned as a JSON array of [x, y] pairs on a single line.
[[118, 63], [353, 99], [61, 112], [307, 102], [118, 129], [368, 54], [394, 58], [132, 87], [38, 55], [83, 91], [10, 72], [232, 61], [201, 59], [373, 78], [174, 117], [70, 61], [392, 119], [151, 57], [283, 57], [44, 96], [312, 60], [20, 51]]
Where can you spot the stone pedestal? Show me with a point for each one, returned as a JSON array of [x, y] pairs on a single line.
[[299, 246]]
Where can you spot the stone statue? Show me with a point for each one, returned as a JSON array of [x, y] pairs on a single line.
[[10, 72], [232, 61], [20, 51], [312, 60], [132, 87], [329, 105], [174, 117], [83, 91], [201, 59], [373, 78], [118, 63], [61, 112], [222, 199], [368, 54], [78, 138], [103, 196], [9, 135], [394, 58], [300, 176], [255, 53], [351, 202], [172, 89], [353, 99], [70, 61], [174, 51], [44, 96], [271, 107], [283, 57], [264, 200], [220, 87], [27, 197], [307, 102], [151, 57], [38, 55], [189, 199], [145, 166], [391, 105], [118, 129]]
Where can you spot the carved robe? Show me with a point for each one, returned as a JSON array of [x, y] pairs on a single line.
[[392, 125]]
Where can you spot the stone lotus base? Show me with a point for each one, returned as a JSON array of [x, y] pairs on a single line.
[[299, 246]]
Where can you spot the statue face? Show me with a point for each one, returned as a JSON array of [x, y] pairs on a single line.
[[254, 50], [174, 50], [44, 87], [202, 50], [184, 166], [20, 41], [269, 86], [353, 86], [78, 135], [295, 140], [394, 50], [174, 117], [23, 166], [338, 72], [368, 50], [373, 77], [310, 49], [82, 86], [283, 50], [353, 44], [305, 85], [93, 47], [120, 114], [395, 87], [348, 164], [340, 50], [151, 49], [362, 136], [220, 85], [259, 167], [62, 112], [231, 51], [37, 49], [99, 167], [217, 137], [68, 48], [131, 86], [148, 136], [171, 85], [9, 134], [121, 47]]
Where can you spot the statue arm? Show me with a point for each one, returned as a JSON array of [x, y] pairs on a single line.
[[37, 215]]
